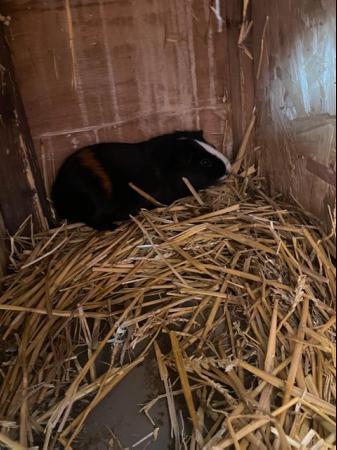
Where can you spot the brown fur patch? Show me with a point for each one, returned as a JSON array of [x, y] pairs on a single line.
[[89, 161]]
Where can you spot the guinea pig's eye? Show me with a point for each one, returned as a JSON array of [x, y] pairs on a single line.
[[206, 163]]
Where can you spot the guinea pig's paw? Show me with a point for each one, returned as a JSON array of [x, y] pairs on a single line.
[[107, 227], [102, 225]]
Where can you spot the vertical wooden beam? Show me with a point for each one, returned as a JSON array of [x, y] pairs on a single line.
[[22, 192], [240, 72], [3, 250], [3, 260]]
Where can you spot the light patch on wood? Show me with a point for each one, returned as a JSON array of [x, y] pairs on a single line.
[[56, 69], [246, 27], [262, 50], [192, 56], [76, 79], [71, 43], [217, 12], [108, 58], [296, 99]]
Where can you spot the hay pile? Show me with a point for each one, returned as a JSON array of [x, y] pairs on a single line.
[[241, 286]]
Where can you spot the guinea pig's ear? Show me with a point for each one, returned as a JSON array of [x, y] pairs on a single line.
[[198, 134]]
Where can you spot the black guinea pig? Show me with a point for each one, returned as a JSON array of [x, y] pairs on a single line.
[[93, 185]]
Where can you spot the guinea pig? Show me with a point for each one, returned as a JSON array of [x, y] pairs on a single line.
[[93, 184]]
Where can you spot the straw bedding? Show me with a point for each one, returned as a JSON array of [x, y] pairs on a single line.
[[240, 287]]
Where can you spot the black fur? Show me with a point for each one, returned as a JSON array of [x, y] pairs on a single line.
[[156, 166]]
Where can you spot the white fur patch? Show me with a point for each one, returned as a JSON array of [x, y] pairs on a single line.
[[213, 151]]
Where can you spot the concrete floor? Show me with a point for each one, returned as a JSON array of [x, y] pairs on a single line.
[[119, 415]]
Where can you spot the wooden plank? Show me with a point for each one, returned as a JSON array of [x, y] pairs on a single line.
[[3, 249], [240, 73], [22, 193], [296, 99]]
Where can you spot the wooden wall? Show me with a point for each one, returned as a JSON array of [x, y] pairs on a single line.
[[3, 249], [21, 187], [295, 76], [98, 70]]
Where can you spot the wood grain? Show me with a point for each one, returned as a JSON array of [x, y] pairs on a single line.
[[3, 249], [126, 70], [296, 99], [21, 194]]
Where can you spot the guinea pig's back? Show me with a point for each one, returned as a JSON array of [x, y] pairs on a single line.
[[95, 179], [122, 160], [81, 187]]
